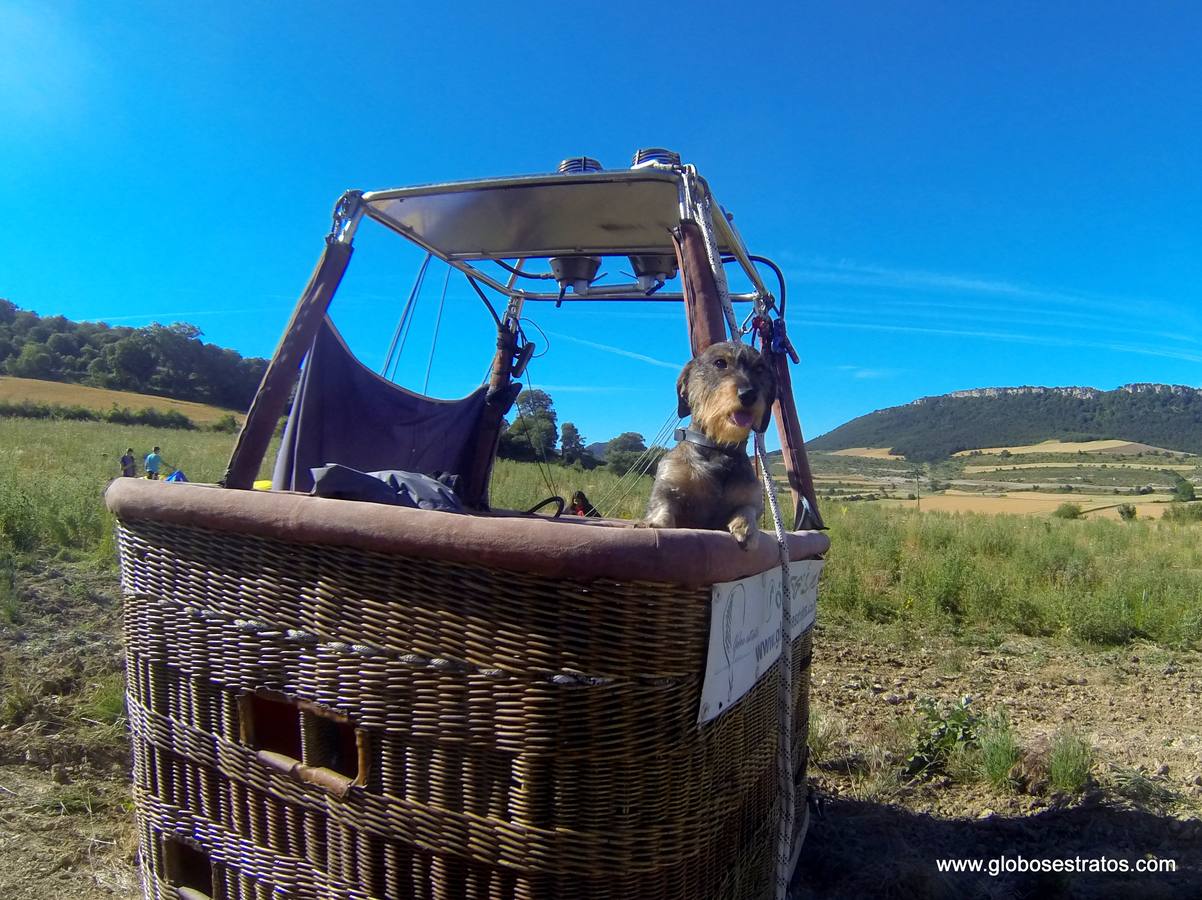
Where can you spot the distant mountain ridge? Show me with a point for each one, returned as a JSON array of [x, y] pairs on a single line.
[[1084, 393], [930, 428]]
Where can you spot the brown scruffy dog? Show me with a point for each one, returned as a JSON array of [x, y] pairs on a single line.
[[707, 480]]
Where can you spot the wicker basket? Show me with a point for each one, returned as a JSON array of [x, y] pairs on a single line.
[[336, 700]]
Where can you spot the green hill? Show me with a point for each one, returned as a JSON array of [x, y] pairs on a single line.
[[162, 360], [934, 428]]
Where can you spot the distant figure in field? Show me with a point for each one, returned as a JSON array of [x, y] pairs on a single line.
[[129, 465], [154, 462], [581, 506]]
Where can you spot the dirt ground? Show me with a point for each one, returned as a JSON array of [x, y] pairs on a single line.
[[66, 829], [1140, 708], [66, 826]]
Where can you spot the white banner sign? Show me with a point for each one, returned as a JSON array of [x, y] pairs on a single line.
[[745, 631]]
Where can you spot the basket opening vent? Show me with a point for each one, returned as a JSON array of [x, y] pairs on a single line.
[[273, 725], [330, 743], [187, 869]]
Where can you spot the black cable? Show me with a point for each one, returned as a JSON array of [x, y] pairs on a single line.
[[546, 340], [492, 312], [780, 276], [540, 276]]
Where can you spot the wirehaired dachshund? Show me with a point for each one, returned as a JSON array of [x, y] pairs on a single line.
[[707, 481]]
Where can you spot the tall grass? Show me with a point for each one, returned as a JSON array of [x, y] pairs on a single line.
[[53, 475], [1100, 581], [520, 485]]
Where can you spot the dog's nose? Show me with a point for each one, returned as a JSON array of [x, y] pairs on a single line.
[[747, 396]]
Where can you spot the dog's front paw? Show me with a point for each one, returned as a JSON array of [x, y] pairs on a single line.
[[659, 515], [745, 533]]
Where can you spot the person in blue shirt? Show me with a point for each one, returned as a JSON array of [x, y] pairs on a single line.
[[154, 463]]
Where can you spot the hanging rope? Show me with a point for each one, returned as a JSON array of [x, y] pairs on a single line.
[[544, 467], [437, 322], [784, 751], [402, 325], [630, 478]]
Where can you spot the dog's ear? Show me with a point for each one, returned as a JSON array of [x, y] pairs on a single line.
[[769, 388], [682, 391]]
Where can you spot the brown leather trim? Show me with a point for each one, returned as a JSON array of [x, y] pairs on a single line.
[[282, 372], [703, 307], [793, 445], [570, 547]]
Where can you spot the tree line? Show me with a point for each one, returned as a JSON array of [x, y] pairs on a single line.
[[534, 435], [173, 361], [165, 360]]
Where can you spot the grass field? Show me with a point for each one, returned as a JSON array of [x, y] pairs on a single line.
[[1099, 581], [14, 390], [1079, 639], [54, 473], [1140, 577]]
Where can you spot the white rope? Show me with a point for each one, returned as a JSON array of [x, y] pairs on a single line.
[[705, 220], [784, 752], [642, 464]]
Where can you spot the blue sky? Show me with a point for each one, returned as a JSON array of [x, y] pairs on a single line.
[[961, 194]]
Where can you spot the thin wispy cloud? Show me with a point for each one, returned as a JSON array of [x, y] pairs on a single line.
[[860, 297], [917, 281], [594, 389], [1011, 337], [911, 310], [863, 372], [617, 351]]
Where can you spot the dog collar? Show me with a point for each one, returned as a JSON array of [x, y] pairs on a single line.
[[696, 437]]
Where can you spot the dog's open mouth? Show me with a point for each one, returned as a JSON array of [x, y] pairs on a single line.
[[742, 418]]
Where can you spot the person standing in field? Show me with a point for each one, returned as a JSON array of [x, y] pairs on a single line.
[[154, 462], [129, 464]]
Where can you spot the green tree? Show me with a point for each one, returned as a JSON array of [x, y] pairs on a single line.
[[1183, 489], [534, 432], [35, 360], [624, 451], [131, 362], [571, 444], [529, 438]]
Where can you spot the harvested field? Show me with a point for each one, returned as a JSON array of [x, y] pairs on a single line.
[[1116, 447], [869, 453], [1025, 503], [845, 479], [1171, 467], [15, 390]]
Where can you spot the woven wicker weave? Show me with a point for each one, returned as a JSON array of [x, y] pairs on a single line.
[[320, 721]]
